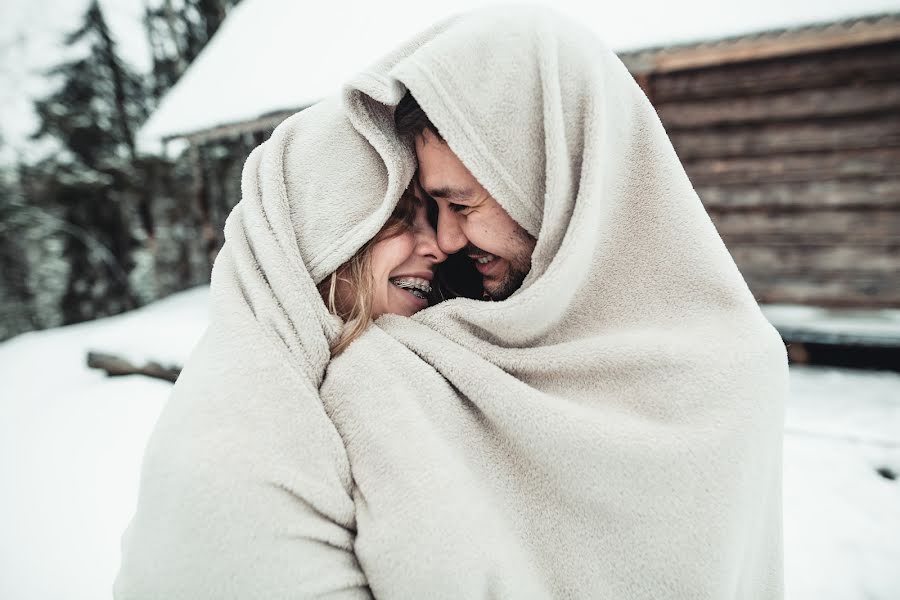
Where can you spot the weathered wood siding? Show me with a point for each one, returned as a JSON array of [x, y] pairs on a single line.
[[797, 160]]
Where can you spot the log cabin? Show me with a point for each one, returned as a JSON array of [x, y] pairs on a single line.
[[792, 140]]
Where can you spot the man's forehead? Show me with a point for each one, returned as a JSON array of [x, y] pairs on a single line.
[[441, 173]]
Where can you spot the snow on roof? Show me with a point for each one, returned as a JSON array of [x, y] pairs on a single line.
[[277, 55], [31, 40]]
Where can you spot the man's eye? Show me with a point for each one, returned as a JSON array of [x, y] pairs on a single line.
[[458, 207]]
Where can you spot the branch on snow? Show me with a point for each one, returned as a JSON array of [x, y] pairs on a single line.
[[116, 366]]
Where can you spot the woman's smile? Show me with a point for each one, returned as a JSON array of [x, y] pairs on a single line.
[[412, 289]]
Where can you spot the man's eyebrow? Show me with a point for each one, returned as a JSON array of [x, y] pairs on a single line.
[[449, 193]]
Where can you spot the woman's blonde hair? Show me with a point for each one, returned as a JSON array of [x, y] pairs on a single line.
[[354, 302]]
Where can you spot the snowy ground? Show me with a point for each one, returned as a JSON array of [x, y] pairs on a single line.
[[71, 441]]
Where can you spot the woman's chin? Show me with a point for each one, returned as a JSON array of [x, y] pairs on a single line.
[[404, 303], [403, 311]]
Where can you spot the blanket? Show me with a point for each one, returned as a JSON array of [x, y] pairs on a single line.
[[245, 486], [614, 428]]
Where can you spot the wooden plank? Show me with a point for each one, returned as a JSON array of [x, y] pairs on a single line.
[[861, 164], [860, 133], [827, 275], [854, 66], [872, 293], [762, 46], [819, 260], [881, 223], [803, 196], [787, 240], [875, 225], [785, 106]]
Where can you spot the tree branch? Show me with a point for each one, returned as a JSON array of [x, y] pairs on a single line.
[[116, 366]]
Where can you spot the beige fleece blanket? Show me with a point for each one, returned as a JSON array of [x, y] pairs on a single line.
[[245, 486], [612, 430]]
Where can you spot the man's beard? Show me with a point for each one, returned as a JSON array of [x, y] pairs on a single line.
[[511, 281]]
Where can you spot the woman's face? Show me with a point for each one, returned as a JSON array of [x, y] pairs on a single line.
[[403, 267]]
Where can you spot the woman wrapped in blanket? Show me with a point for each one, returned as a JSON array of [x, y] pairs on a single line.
[[245, 487]]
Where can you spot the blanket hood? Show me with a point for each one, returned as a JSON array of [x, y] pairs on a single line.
[[550, 121], [312, 195]]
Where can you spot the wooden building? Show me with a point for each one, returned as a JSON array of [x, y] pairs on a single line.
[[792, 140]]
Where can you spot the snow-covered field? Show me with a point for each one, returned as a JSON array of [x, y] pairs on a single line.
[[71, 441]]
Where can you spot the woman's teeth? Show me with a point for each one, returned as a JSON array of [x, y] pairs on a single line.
[[418, 287]]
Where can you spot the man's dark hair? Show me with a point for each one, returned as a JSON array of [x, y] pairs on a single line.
[[410, 120]]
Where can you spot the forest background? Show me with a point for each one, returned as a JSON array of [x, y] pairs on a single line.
[[90, 226]]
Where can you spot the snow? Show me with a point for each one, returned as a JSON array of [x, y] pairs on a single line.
[[274, 55], [31, 40], [71, 442], [842, 520]]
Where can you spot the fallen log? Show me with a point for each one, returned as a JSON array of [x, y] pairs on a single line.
[[116, 366]]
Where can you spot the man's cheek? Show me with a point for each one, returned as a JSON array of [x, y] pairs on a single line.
[[482, 235]]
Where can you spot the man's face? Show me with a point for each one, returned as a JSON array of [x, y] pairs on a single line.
[[471, 221]]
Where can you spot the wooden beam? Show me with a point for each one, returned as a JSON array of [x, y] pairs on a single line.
[[874, 164], [804, 196], [791, 240], [831, 292], [865, 228], [785, 106], [817, 259], [857, 133], [852, 66]]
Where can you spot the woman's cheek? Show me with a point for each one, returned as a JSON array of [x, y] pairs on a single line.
[[409, 244]]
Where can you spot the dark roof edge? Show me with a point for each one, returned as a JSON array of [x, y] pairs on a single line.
[[858, 31], [207, 134]]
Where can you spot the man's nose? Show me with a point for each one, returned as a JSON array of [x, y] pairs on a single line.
[[427, 246], [450, 236]]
